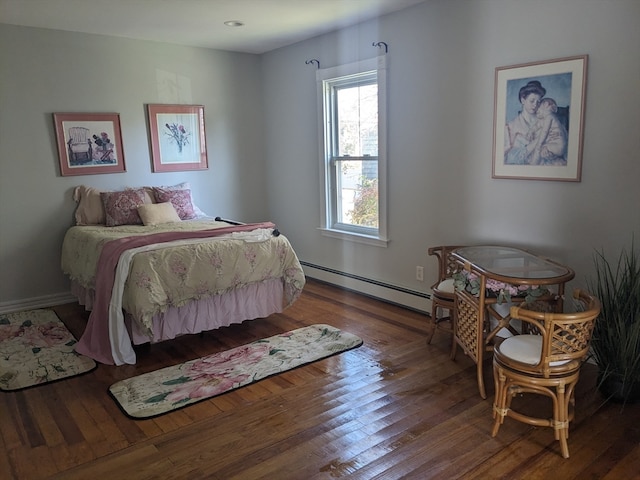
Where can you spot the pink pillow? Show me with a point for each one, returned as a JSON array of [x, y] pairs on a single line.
[[180, 199], [121, 208]]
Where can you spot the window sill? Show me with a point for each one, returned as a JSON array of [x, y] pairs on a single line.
[[355, 237]]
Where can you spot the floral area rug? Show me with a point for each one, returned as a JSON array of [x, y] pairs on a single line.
[[36, 348], [163, 390]]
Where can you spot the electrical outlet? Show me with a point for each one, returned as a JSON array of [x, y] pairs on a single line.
[[419, 273]]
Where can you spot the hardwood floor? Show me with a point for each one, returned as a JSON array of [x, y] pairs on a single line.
[[392, 408]]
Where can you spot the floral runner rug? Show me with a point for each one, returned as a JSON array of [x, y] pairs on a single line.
[[169, 388], [36, 348]]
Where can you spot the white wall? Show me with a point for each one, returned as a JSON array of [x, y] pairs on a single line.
[[443, 56], [46, 71], [262, 135]]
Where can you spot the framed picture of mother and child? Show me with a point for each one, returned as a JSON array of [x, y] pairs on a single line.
[[538, 120]]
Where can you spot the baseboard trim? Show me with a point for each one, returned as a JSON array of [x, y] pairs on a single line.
[[413, 299], [37, 302]]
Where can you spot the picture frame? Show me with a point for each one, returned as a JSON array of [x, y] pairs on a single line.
[[178, 141], [541, 141], [89, 143]]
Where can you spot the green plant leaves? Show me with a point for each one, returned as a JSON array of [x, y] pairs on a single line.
[[616, 337]]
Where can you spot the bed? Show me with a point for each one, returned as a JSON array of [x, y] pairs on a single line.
[[168, 273]]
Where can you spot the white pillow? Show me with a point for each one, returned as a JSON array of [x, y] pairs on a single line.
[[90, 210], [157, 213]]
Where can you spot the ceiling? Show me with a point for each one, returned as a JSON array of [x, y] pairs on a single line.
[[268, 24]]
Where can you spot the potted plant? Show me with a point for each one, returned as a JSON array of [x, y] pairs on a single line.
[[616, 337]]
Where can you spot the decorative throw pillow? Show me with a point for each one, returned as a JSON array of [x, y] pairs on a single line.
[[121, 208], [179, 186], [90, 210], [147, 194], [180, 199], [157, 213]]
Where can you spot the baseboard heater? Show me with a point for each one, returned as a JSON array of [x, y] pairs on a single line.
[[413, 299]]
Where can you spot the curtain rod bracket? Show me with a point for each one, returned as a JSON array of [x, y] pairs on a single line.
[[380, 44], [313, 60]]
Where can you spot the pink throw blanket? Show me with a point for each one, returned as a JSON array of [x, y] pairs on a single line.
[[95, 341]]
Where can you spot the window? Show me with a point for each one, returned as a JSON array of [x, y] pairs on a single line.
[[353, 150]]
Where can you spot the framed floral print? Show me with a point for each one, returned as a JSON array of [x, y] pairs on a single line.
[[178, 140], [538, 120], [89, 143]]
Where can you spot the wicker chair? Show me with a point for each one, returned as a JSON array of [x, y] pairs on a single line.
[[442, 291], [80, 148], [545, 362]]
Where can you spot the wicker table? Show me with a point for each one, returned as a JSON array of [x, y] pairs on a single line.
[[513, 266]]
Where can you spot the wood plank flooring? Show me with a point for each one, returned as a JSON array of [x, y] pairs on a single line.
[[392, 408]]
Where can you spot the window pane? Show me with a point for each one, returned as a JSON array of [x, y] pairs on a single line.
[[352, 129], [358, 192], [357, 111]]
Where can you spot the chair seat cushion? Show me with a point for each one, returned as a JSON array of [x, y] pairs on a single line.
[[445, 287], [79, 147], [525, 349]]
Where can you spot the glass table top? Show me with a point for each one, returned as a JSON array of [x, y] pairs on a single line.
[[512, 264]]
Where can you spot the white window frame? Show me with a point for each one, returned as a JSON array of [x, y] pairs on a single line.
[[328, 226]]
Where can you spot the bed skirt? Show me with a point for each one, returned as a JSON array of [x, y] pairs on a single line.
[[258, 300]]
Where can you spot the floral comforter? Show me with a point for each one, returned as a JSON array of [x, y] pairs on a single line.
[[192, 269]]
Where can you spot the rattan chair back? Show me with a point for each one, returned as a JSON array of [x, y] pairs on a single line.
[[565, 336], [443, 299], [544, 362]]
